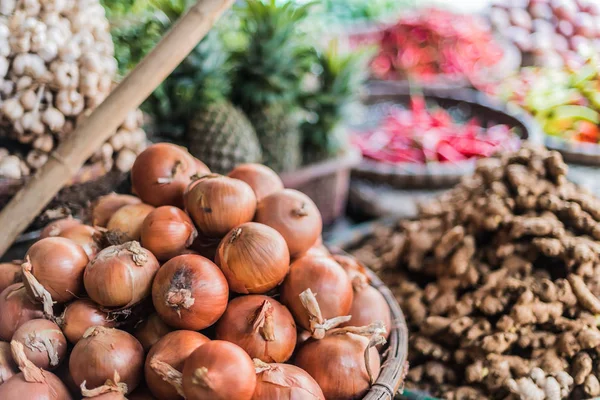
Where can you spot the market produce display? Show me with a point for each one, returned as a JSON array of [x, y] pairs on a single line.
[[116, 311], [498, 279]]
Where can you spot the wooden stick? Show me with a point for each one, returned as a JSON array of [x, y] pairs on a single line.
[[70, 156]]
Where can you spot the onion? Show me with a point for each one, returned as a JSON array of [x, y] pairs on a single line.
[[190, 292], [121, 275], [161, 173], [85, 236], [254, 258], [172, 350], [294, 215], [217, 204], [32, 382], [16, 308], [104, 208], [262, 179], [317, 249], [167, 232], [55, 228], [150, 331], [261, 326], [43, 341], [219, 370], [8, 367], [126, 223], [79, 316], [101, 353], [284, 382], [10, 273], [323, 276], [53, 271]]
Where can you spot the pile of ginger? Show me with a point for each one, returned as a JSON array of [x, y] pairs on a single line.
[[499, 281]]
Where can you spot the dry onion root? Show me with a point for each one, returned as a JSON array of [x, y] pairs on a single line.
[[16, 308], [44, 343], [284, 382]]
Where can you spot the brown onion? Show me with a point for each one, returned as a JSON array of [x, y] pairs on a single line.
[[10, 273], [219, 370], [32, 382], [254, 258], [262, 179], [173, 350], [101, 353], [55, 228], [161, 173], [150, 331], [104, 208], [284, 382], [217, 204], [167, 232], [261, 326], [81, 315], [121, 275], [8, 367], [43, 341], [323, 276], [16, 308], [127, 221], [190, 292], [294, 215], [85, 236]]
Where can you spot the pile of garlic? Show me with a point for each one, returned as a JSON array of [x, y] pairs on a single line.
[[56, 65]]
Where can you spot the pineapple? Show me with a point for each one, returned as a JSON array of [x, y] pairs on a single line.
[[269, 70]]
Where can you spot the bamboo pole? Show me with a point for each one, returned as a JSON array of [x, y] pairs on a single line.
[[70, 156]]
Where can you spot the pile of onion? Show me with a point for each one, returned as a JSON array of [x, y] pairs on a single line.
[[262, 179], [16, 308], [284, 382], [43, 341], [79, 316], [167, 232]]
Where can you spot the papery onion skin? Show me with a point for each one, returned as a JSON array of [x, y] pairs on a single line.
[[18, 388], [58, 264], [127, 221], [104, 208], [85, 236], [295, 216], [254, 258], [101, 352], [219, 370], [337, 363], [16, 308], [121, 275], [8, 367], [54, 228], [323, 276], [172, 349], [10, 273], [241, 324], [167, 232], [43, 341], [80, 315], [217, 204], [161, 173], [151, 330], [190, 292], [286, 382], [262, 179]]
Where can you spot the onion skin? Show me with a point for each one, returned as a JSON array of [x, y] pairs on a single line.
[[167, 232], [172, 349], [262, 179], [337, 363], [270, 337], [8, 367], [254, 258], [369, 306], [128, 220], [219, 370], [102, 352], [286, 382], [79, 316], [161, 173], [43, 341], [85, 236], [151, 330], [56, 227], [16, 308], [190, 292], [323, 276], [121, 275], [104, 208], [295, 216], [10, 273], [217, 204]]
